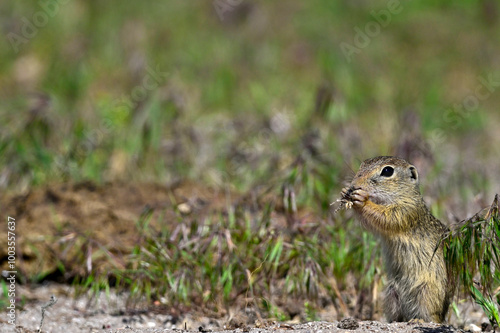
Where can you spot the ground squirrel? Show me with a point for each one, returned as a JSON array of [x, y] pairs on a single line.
[[385, 193]]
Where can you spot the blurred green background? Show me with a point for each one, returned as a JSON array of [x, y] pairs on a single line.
[[231, 92]]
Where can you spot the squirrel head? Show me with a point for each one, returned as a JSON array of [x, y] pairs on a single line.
[[388, 180]]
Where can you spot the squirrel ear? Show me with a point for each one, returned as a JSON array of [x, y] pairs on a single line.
[[414, 173]]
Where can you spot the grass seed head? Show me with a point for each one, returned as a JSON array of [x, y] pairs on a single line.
[[345, 200]]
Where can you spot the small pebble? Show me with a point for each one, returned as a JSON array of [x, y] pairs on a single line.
[[348, 323], [472, 328], [184, 208]]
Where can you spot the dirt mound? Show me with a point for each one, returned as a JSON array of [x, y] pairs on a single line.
[[85, 219]]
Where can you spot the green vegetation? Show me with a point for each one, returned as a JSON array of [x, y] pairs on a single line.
[[264, 103], [473, 257]]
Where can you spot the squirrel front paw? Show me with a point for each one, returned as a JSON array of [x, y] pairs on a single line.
[[359, 198]]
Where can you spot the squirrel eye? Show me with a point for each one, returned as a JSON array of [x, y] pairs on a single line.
[[387, 171]]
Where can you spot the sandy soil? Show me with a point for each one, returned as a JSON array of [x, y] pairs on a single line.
[[107, 314]]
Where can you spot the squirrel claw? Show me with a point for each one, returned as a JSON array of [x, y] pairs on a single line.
[[345, 192]]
